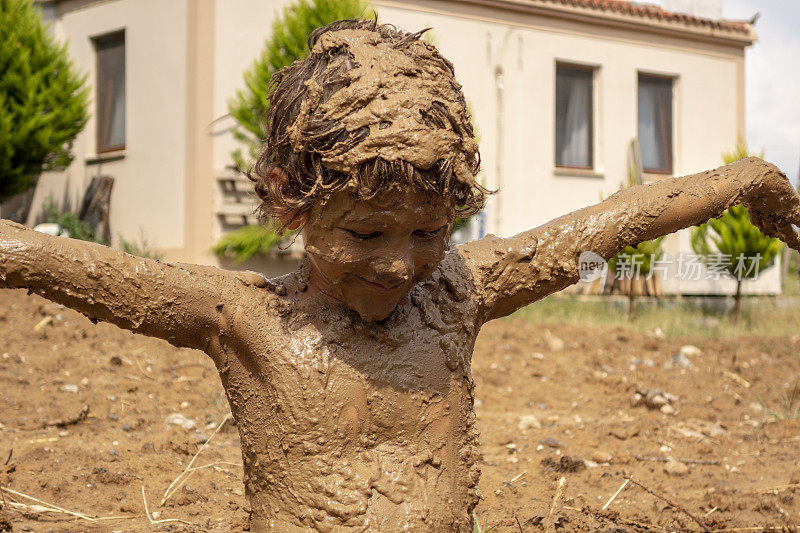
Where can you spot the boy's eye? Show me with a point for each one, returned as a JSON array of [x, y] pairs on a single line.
[[364, 236], [426, 234]]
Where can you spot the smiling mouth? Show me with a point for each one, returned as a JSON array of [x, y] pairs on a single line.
[[378, 285]]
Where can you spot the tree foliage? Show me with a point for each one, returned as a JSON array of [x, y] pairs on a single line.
[[732, 237], [247, 241], [43, 100]]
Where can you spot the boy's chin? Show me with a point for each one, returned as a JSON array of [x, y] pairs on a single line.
[[374, 313], [374, 309]]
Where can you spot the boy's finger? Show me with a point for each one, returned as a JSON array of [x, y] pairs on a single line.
[[790, 237]]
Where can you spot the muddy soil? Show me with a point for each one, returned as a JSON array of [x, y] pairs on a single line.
[[553, 402]]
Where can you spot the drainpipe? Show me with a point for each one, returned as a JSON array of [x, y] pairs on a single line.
[[499, 89]]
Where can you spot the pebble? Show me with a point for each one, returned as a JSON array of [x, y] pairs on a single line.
[[199, 438], [675, 468], [602, 457], [70, 387], [679, 360], [527, 422], [115, 360], [127, 427], [667, 409], [180, 420], [652, 398], [112, 416], [550, 441], [689, 350]]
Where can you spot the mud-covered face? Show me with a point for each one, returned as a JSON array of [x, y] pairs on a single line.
[[369, 253]]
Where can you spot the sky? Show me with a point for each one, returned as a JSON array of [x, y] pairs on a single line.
[[773, 80]]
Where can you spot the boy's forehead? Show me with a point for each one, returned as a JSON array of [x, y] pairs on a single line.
[[400, 205]]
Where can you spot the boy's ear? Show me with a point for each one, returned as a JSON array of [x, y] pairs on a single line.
[[288, 217]]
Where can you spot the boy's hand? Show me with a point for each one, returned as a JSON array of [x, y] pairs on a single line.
[[774, 206]]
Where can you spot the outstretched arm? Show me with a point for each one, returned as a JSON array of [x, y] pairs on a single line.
[[510, 273], [174, 302]]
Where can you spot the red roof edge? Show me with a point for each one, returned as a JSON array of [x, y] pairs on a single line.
[[652, 11]]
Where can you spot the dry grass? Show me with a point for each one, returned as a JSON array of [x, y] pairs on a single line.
[[761, 316]]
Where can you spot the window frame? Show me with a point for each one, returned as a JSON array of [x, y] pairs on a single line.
[[670, 169], [102, 119], [592, 70]]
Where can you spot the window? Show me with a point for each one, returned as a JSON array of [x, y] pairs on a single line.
[[574, 116], [110, 85], [655, 123]]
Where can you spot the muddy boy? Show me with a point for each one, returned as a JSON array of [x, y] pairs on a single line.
[[350, 379]]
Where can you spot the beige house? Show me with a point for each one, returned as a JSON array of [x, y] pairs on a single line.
[[558, 89]]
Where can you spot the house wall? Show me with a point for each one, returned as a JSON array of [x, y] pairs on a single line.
[[149, 188]]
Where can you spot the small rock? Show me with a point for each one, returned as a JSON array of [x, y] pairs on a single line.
[[527, 422], [654, 399], [199, 438], [156, 515], [184, 405], [115, 360], [679, 360], [238, 492], [602, 457], [148, 447], [554, 343], [127, 427], [70, 387], [551, 442], [690, 351], [180, 420], [714, 430], [112, 451], [112, 416], [637, 400], [667, 409], [658, 334], [675, 468]]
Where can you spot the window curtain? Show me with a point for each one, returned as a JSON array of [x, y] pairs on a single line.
[[655, 123], [573, 117], [111, 92]]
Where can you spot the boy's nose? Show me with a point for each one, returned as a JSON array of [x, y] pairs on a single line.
[[395, 269]]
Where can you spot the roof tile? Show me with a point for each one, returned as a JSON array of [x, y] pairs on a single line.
[[654, 12]]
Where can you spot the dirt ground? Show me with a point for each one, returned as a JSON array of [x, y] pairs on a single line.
[[553, 402]]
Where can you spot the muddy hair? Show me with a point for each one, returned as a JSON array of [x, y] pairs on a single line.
[[307, 180]]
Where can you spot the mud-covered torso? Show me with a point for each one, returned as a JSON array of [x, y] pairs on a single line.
[[354, 425]]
